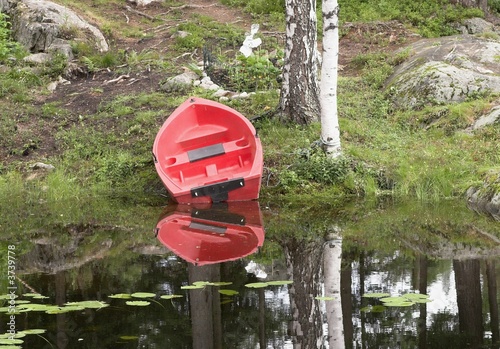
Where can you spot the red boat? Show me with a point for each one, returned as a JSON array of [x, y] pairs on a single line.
[[208, 152], [208, 234]]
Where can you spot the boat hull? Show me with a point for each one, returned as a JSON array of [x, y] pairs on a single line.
[[208, 152]]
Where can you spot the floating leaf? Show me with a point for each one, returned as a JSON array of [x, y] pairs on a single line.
[[138, 303], [221, 283], [417, 297], [191, 287], [399, 304], [324, 298], [34, 295], [33, 331], [127, 338], [143, 295], [396, 302], [61, 310], [121, 296], [171, 296], [88, 304], [11, 341], [10, 347], [10, 335], [35, 307], [257, 285], [7, 296], [201, 283], [376, 295], [228, 292], [21, 301], [279, 282]]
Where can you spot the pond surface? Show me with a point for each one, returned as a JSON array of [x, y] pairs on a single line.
[[244, 276]]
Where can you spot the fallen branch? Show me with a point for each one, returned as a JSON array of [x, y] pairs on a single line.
[[128, 8], [182, 7], [118, 79]]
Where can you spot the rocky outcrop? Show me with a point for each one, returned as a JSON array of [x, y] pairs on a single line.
[[486, 199], [44, 26], [448, 69]]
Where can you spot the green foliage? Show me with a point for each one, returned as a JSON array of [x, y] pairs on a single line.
[[7, 46], [253, 73]]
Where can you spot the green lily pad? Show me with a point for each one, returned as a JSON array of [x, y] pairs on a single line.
[[280, 282], [229, 292], [129, 338], [11, 341], [221, 283], [34, 295], [34, 307], [7, 296], [321, 298], [10, 347], [9, 335], [192, 287], [201, 283], [143, 295], [121, 296], [417, 297], [61, 310], [138, 303], [376, 295], [171, 296], [257, 285], [22, 301], [89, 304], [33, 331], [396, 302]]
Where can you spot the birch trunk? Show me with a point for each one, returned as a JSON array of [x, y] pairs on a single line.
[[332, 265], [299, 100], [330, 132]]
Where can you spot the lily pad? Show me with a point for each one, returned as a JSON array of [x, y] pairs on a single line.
[[89, 304], [121, 296], [11, 341], [33, 331], [280, 282], [143, 295], [229, 292], [417, 297], [34, 295], [171, 296], [34, 307], [221, 283], [138, 303], [10, 347], [257, 285], [396, 302], [192, 287], [61, 310], [376, 295], [129, 338]]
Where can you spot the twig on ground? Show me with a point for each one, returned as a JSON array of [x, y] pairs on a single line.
[[130, 9]]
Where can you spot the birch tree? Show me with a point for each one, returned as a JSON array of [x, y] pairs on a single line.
[[299, 100], [332, 254], [330, 132]]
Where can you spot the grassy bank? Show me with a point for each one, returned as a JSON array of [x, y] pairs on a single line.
[[417, 154]]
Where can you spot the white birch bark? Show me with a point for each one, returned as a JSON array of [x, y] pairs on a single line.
[[330, 132], [331, 266]]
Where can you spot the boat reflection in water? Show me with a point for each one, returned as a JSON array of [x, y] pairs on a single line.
[[212, 233], [205, 236]]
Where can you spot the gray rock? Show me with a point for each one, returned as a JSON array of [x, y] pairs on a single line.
[[492, 117], [443, 70], [38, 58], [37, 24], [179, 82], [43, 166]]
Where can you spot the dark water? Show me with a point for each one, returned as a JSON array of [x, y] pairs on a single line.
[[448, 253]]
